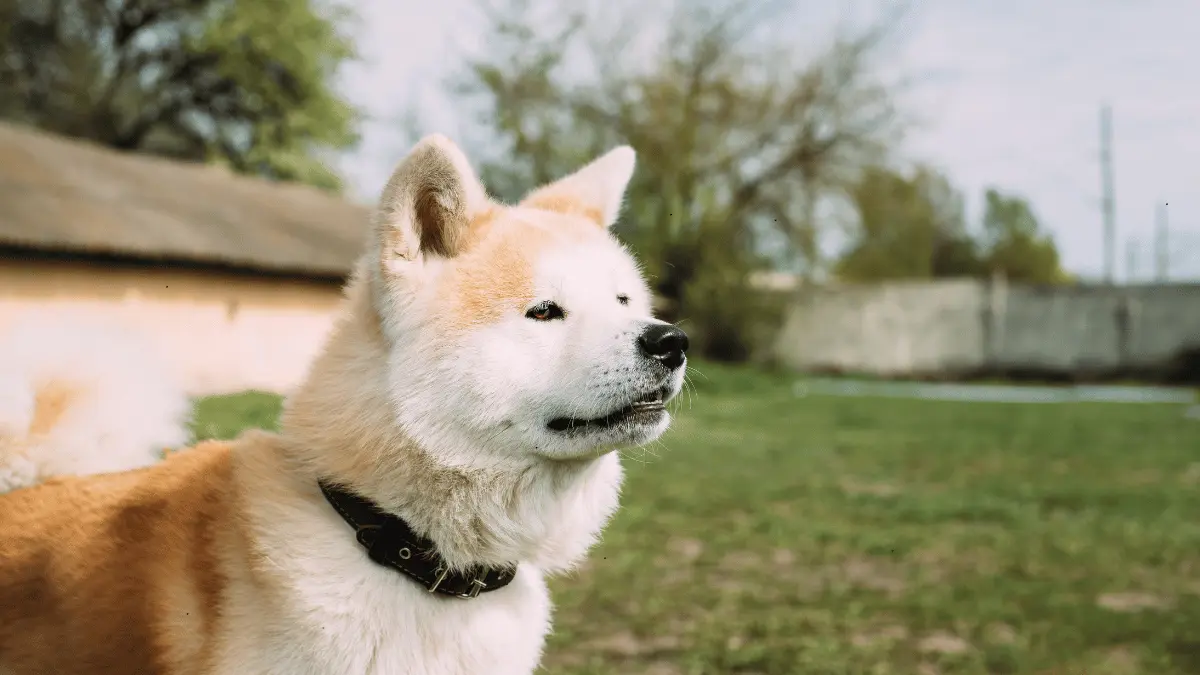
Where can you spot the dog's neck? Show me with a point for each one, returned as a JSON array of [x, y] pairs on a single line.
[[340, 426]]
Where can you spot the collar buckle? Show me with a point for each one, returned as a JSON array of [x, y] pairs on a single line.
[[477, 585], [440, 573]]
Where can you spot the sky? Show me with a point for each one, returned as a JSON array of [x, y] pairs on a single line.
[[1009, 96]]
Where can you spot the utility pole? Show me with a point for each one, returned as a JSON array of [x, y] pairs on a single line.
[[1107, 200], [1131, 260], [1162, 251]]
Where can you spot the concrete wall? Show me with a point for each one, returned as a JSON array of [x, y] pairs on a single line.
[[223, 331], [884, 328], [959, 327]]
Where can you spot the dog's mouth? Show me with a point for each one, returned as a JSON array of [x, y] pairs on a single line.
[[648, 408]]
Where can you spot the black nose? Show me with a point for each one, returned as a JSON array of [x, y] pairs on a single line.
[[664, 343]]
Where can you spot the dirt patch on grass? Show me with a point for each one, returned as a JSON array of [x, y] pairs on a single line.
[[883, 636], [943, 562], [874, 575], [783, 558], [1131, 602], [685, 550], [1191, 475], [855, 488], [679, 563], [625, 643], [943, 643], [741, 561], [882, 575], [853, 574], [1119, 661]]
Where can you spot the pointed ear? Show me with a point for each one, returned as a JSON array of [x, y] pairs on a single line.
[[595, 191], [428, 203]]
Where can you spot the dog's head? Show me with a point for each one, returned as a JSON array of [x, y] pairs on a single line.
[[519, 329]]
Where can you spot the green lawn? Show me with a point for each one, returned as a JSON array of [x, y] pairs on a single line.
[[774, 534]]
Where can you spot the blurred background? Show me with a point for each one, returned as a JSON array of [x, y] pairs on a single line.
[[847, 204]]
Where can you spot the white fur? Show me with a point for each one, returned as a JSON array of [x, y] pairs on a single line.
[[519, 372], [505, 488], [342, 614], [124, 407]]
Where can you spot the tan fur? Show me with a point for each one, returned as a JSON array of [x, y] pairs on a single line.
[[50, 403], [500, 281], [566, 205], [76, 544], [498, 276]]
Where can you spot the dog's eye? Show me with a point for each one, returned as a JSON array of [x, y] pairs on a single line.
[[545, 311], [623, 299]]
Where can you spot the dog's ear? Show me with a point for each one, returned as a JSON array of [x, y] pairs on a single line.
[[595, 191], [428, 204]]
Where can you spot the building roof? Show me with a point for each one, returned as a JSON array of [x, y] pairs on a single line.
[[68, 196]]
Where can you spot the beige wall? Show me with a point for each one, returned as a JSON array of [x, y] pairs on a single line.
[[224, 331], [947, 327], [898, 328]]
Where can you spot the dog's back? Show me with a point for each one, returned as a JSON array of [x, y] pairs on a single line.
[[81, 395], [81, 555]]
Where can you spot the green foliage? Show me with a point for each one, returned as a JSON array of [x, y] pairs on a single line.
[[909, 227], [248, 83], [775, 535], [1015, 243], [913, 227]]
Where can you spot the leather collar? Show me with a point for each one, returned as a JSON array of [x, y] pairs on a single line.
[[392, 543]]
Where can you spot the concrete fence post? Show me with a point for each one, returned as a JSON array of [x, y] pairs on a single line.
[[994, 320], [1126, 319]]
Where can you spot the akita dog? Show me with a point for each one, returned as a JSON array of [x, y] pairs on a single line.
[[451, 446], [81, 395]]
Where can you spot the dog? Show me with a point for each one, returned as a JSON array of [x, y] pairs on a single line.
[[452, 445], [81, 395]]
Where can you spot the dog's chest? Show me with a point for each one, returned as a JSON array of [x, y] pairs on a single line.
[[386, 625]]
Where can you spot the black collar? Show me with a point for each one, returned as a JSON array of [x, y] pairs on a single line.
[[392, 543]]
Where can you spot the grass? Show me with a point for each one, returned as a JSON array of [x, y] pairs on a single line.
[[772, 534]]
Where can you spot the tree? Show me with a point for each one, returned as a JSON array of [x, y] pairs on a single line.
[[913, 227], [908, 227], [737, 135], [240, 82], [1014, 243]]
